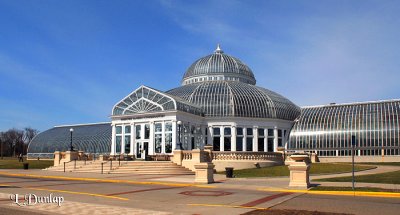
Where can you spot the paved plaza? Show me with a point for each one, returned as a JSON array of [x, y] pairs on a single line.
[[85, 193]]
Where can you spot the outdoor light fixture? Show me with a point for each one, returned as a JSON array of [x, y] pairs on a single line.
[[71, 147]]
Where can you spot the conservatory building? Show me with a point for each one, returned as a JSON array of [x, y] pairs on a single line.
[[218, 104]]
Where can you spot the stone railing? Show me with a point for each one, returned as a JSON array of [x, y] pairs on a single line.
[[189, 158], [217, 155], [187, 155]]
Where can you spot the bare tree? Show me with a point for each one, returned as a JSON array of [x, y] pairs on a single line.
[[15, 141], [29, 134], [13, 138]]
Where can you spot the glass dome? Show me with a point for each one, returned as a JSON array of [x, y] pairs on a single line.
[[223, 86], [218, 66], [237, 99]]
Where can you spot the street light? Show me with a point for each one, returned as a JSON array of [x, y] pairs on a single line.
[[179, 145], [71, 147]]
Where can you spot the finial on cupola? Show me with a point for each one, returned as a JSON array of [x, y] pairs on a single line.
[[218, 50]]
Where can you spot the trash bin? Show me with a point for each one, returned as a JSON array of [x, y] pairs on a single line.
[[26, 165], [229, 172]]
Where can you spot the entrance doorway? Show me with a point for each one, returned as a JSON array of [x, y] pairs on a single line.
[[142, 149]]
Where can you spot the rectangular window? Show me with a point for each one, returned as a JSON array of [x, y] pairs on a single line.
[[239, 144], [146, 131], [227, 143], [249, 144], [127, 144], [270, 146], [270, 132], [261, 132], [168, 142], [239, 131], [127, 129], [158, 145], [216, 131], [249, 131], [118, 141], [227, 131], [260, 144], [168, 126], [157, 127], [138, 131], [216, 142], [118, 129], [157, 137]]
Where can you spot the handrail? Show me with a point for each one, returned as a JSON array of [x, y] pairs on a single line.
[[102, 166], [69, 162]]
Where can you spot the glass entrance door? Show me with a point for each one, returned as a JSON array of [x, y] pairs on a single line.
[[142, 149], [142, 140]]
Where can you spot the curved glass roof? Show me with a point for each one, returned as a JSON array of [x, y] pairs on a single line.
[[218, 66], [236, 99], [95, 138], [375, 125]]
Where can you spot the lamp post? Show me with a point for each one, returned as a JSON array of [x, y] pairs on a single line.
[[179, 145], [71, 147]]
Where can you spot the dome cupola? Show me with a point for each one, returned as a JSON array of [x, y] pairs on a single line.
[[216, 67]]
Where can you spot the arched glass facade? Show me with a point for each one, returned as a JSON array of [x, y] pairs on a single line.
[[147, 100], [328, 129]]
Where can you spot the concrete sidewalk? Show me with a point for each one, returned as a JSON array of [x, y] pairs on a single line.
[[280, 183]]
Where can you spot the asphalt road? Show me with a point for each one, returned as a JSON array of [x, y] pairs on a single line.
[[89, 197]]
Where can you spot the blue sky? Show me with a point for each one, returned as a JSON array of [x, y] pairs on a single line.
[[67, 62]]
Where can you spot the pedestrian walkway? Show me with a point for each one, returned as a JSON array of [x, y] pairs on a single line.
[[71, 207], [377, 170], [188, 180]]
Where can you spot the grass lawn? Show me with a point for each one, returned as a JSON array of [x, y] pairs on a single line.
[[12, 163], [316, 168], [383, 178], [363, 189], [384, 163]]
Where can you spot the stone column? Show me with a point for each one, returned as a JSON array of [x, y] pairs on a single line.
[[57, 158], [123, 140], [255, 138], [204, 173], [151, 139], [71, 155], [265, 139], [221, 139], [162, 137], [174, 135], [244, 139], [275, 138], [133, 137], [112, 140], [233, 138], [177, 158], [299, 171]]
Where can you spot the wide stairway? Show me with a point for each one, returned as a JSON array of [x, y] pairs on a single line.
[[151, 168], [70, 166], [125, 167]]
